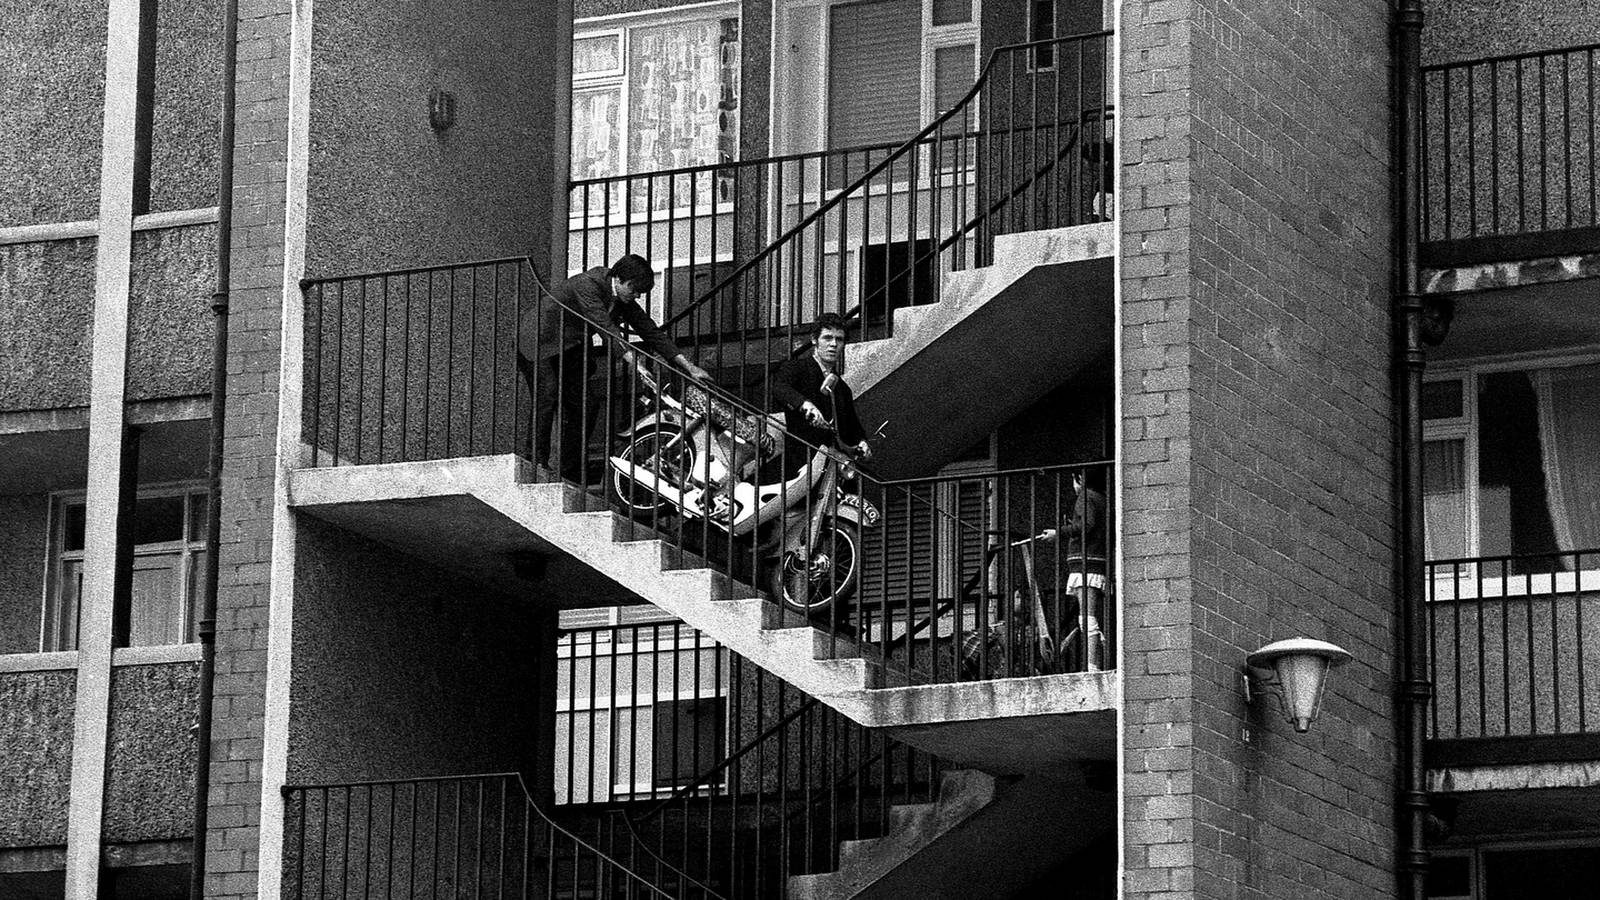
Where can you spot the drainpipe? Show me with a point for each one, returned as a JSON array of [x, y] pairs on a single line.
[[1415, 688], [219, 393]]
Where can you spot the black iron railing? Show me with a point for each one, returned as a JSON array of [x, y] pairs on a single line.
[[1023, 150], [1510, 145], [1515, 645], [934, 579], [414, 364], [470, 836], [790, 781]]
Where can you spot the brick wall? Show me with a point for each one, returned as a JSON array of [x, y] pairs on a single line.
[[1157, 637], [250, 446], [1257, 436]]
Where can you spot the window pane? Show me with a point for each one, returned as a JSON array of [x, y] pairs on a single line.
[[1571, 443], [158, 520], [156, 602], [199, 508], [688, 740], [952, 76], [1552, 873], [1450, 876], [683, 87], [952, 12], [597, 53], [73, 527], [1513, 510], [595, 141], [874, 73], [1444, 499], [1441, 400], [62, 627], [195, 596]]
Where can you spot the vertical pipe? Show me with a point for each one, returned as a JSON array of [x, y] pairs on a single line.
[[1415, 688], [219, 385]]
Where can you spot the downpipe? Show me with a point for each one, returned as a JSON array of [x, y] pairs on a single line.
[[1415, 689], [219, 390]]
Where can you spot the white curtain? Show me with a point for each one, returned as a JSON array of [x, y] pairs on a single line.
[[1569, 433], [1444, 499]]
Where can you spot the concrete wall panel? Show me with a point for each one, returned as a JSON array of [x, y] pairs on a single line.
[[187, 105], [403, 670], [52, 54], [1472, 29], [24, 524], [36, 753], [150, 788], [169, 315], [386, 190], [46, 306]]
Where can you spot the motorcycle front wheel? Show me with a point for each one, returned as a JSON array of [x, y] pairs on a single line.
[[660, 451], [830, 577]]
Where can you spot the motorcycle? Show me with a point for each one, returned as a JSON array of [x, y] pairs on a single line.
[[698, 457]]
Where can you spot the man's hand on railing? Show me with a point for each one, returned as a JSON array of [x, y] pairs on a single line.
[[695, 372]]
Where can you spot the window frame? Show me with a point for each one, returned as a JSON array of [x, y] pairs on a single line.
[[622, 25], [58, 557], [1465, 428]]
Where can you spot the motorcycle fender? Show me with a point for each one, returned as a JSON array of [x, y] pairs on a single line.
[[665, 417]]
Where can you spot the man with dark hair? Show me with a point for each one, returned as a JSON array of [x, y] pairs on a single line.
[[553, 351], [812, 394]]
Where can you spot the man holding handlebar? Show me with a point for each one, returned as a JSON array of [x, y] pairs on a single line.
[[553, 352]]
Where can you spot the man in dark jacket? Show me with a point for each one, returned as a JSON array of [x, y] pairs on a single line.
[[553, 351], [811, 394]]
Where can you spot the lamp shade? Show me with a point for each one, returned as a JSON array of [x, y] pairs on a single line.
[[1300, 667]]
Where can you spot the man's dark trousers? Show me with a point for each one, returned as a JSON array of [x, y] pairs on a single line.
[[561, 384]]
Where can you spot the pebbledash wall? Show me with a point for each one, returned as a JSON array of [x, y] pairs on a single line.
[[1257, 443], [337, 169]]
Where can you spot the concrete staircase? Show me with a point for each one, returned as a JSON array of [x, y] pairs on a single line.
[[965, 843], [999, 338], [442, 511]]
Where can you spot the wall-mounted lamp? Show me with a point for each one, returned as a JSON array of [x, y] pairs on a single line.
[[441, 109], [1296, 671]]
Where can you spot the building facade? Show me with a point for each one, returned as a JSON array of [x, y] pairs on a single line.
[[1132, 263]]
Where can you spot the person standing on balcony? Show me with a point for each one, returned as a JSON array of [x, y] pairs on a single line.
[[1085, 561], [815, 400], [553, 352]]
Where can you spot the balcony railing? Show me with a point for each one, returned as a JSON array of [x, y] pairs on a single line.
[[471, 836], [767, 786], [1515, 649], [1510, 152]]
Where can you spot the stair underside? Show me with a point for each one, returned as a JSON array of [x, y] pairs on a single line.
[[440, 510]]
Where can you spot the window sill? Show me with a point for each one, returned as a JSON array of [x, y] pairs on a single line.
[[56, 661]]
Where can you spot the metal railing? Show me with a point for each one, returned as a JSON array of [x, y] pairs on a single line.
[[1509, 145], [414, 364], [469, 836], [695, 221], [790, 781], [932, 580], [1515, 648], [1025, 149]]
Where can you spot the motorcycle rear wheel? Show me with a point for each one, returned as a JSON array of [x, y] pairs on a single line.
[[660, 451], [813, 588]]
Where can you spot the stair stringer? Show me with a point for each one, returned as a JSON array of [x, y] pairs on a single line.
[[1009, 725], [966, 843]]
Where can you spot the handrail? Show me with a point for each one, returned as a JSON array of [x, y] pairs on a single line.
[[288, 790], [1509, 57], [866, 178]]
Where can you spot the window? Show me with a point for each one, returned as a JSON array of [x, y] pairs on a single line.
[[653, 93], [689, 739], [1511, 460], [160, 604], [1042, 27]]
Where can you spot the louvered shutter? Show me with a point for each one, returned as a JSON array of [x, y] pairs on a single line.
[[874, 72]]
